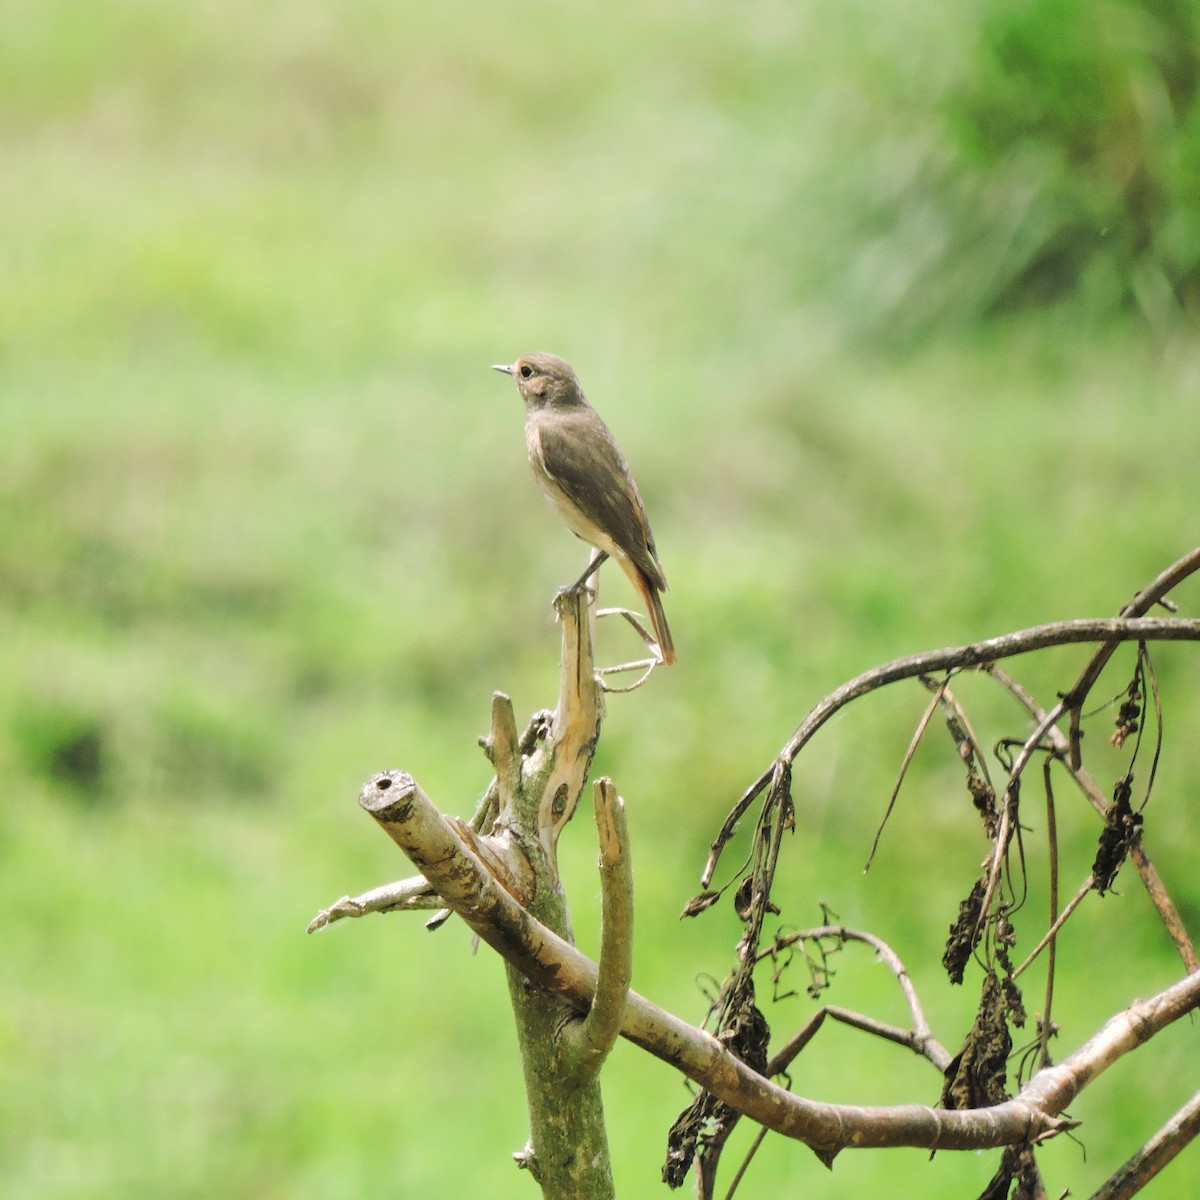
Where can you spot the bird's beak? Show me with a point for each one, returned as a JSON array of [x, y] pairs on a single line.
[[505, 367]]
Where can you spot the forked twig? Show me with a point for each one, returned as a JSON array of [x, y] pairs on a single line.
[[1147, 872], [1153, 593]]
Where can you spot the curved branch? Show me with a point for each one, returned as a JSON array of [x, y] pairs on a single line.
[[556, 966], [1149, 596], [974, 655], [1147, 872], [920, 1040], [979, 654], [594, 1036]]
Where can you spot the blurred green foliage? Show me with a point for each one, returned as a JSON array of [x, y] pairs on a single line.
[[899, 359], [1082, 121]]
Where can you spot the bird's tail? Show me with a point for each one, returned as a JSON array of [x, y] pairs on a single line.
[[658, 618]]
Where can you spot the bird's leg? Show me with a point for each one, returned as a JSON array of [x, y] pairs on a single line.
[[593, 567]]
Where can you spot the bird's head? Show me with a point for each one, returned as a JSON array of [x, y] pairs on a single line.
[[544, 381]]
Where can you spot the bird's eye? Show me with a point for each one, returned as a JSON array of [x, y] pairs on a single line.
[[526, 371]]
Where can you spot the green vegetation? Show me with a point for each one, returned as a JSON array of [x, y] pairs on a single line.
[[897, 360]]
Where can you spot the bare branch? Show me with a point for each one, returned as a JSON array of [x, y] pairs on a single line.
[[1147, 872], [1053, 1088], [594, 1036], [1008, 812], [913, 743], [1168, 913], [503, 751], [980, 654], [1055, 925], [576, 724], [1181, 1129], [1150, 595], [975, 655], [920, 1039], [406, 895]]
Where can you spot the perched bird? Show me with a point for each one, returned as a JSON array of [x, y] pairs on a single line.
[[584, 476]]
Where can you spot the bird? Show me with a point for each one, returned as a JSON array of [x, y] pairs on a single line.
[[583, 474]]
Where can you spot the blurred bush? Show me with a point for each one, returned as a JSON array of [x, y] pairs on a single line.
[[959, 165], [1076, 169]]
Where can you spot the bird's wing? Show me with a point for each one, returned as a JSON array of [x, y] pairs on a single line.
[[599, 485]]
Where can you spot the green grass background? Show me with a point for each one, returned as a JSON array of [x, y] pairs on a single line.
[[266, 527]]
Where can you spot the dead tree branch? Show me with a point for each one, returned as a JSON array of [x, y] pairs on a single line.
[[974, 655], [1177, 1133], [1153, 593]]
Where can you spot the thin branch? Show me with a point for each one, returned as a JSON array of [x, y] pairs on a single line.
[[980, 654], [744, 1165], [925, 1047], [913, 743], [921, 1039], [405, 895], [1168, 913], [1051, 934], [1147, 872], [1149, 596], [594, 1036], [1133, 1175], [790, 1050], [645, 665], [975, 655], [1057, 924], [731, 823], [1008, 813]]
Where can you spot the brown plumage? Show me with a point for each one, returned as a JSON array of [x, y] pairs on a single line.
[[584, 476]]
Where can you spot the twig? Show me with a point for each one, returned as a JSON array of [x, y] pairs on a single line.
[[921, 1038], [1008, 813], [405, 895], [1168, 913], [645, 665], [731, 823], [1051, 938], [744, 1165], [1150, 595], [1056, 924], [1147, 872], [913, 743]]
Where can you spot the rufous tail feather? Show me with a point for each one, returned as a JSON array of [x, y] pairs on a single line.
[[658, 618]]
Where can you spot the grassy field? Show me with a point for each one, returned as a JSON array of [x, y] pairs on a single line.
[[266, 527]]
